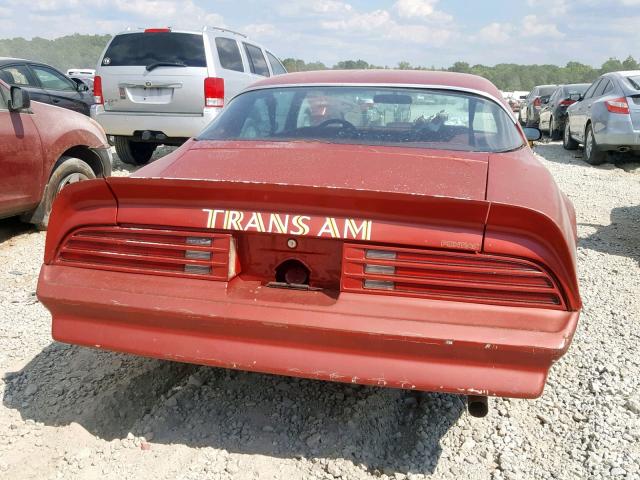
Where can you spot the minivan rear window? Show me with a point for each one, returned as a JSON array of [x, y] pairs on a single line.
[[132, 49]]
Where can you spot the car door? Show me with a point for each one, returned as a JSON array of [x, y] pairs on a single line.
[[62, 90], [580, 113], [597, 115], [20, 75], [547, 108], [20, 160]]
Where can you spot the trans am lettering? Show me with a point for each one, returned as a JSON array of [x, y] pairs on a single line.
[[327, 227]]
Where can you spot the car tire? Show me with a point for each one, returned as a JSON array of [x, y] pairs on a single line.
[[567, 142], [70, 170], [592, 154], [554, 133], [133, 153]]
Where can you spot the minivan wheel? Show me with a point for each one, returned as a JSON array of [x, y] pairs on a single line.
[[133, 153], [71, 170], [567, 142], [592, 154]]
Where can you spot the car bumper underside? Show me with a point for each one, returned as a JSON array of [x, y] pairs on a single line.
[[379, 340]]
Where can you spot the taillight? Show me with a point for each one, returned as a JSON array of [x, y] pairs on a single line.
[[214, 92], [567, 102], [463, 277], [157, 30], [175, 253], [97, 90], [617, 105], [537, 102]]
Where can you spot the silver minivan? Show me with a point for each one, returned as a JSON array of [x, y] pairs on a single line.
[[162, 86]]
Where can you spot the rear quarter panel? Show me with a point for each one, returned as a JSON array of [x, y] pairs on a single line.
[[530, 217]]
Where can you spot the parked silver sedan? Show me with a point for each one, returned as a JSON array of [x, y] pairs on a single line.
[[607, 117]]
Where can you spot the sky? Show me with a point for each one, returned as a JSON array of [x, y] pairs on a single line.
[[422, 32]]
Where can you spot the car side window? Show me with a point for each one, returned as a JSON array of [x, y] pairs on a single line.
[[257, 61], [601, 88], [276, 66], [229, 54], [608, 88], [590, 90], [16, 75], [52, 79]]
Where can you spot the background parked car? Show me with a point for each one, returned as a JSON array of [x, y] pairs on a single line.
[[44, 148], [607, 118], [46, 84], [162, 86], [530, 110], [554, 112]]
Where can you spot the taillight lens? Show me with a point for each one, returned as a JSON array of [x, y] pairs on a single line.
[[457, 276], [97, 90], [617, 105], [175, 253], [567, 102], [214, 92], [537, 102]]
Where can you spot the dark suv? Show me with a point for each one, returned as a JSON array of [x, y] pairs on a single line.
[[45, 84]]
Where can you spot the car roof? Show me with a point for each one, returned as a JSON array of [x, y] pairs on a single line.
[[5, 60], [206, 29], [418, 78]]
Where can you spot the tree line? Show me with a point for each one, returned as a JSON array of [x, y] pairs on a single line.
[[84, 50]]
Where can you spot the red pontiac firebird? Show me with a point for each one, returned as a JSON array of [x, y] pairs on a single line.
[[387, 228]]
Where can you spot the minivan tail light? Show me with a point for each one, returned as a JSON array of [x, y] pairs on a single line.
[[97, 90], [214, 92], [617, 105], [157, 30]]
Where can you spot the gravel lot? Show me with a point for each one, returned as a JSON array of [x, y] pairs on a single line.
[[70, 412]]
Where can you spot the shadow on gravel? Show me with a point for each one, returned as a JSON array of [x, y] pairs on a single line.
[[112, 394], [621, 237], [10, 227]]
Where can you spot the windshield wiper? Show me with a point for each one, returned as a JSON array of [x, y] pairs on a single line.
[[155, 65]]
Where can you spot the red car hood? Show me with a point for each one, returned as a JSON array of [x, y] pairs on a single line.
[[401, 170]]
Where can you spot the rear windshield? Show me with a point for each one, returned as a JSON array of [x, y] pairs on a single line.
[[368, 115], [152, 47], [546, 91], [634, 81], [578, 88]]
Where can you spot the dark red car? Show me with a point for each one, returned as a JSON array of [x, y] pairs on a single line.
[[388, 228], [43, 149]]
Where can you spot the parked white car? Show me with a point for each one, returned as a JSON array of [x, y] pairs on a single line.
[[163, 86]]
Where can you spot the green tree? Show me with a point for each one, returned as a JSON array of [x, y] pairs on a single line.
[[630, 64]]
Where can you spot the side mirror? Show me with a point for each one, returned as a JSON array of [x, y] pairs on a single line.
[[532, 134], [19, 99], [80, 85], [544, 101]]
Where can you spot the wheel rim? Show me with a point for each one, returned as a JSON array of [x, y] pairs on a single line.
[[552, 126], [566, 135], [588, 144], [71, 178]]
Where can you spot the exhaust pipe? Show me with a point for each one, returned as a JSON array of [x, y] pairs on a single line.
[[477, 405], [624, 149]]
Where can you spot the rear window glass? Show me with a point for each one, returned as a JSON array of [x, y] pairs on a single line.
[[256, 60], [546, 91], [276, 66], [634, 81], [573, 89], [229, 54], [152, 47], [389, 116]]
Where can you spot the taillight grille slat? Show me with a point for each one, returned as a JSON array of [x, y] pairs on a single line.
[[444, 275], [203, 255]]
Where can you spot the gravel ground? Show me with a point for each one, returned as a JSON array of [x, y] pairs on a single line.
[[70, 412]]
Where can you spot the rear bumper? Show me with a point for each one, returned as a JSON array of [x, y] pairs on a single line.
[[172, 125], [611, 140], [367, 339]]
